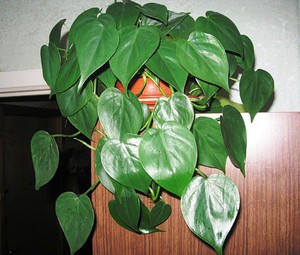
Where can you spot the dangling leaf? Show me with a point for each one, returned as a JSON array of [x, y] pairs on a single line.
[[118, 113], [234, 136], [45, 157], [256, 87], [176, 108], [76, 218], [169, 156], [55, 33], [211, 148], [135, 47], [209, 207], [203, 56], [247, 61]]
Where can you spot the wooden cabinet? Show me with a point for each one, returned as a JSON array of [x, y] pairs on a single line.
[[269, 218]]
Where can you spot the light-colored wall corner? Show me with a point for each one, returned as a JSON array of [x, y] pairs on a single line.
[[273, 26]]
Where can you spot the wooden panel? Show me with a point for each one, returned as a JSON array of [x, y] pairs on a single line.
[[268, 222]]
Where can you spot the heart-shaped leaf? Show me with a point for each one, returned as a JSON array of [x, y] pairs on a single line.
[[159, 213], [211, 148], [234, 136], [256, 87], [96, 39], [76, 218], [184, 28], [222, 28], [45, 157], [155, 11], [176, 108], [121, 161], [169, 156], [209, 207], [144, 224], [135, 47], [164, 63], [118, 113], [203, 56]]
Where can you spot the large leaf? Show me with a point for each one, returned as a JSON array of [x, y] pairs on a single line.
[[209, 207], [176, 108], [76, 218], [256, 87], [156, 11], [234, 136], [222, 28], [169, 156], [165, 65], [136, 46], [85, 119], [96, 39], [118, 113], [121, 161], [72, 100], [55, 33], [211, 148], [45, 157], [203, 56], [50, 60]]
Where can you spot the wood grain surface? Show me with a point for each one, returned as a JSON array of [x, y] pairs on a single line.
[[269, 218]]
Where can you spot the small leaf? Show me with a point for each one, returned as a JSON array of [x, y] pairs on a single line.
[[144, 224], [209, 207], [108, 78], [247, 61], [209, 90], [176, 108], [155, 11], [76, 218], [159, 213], [45, 157], [256, 87], [234, 136], [55, 33]]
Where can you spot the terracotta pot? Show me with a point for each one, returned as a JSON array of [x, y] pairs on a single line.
[[151, 92]]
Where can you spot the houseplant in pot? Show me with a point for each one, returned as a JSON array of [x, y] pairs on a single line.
[[143, 151]]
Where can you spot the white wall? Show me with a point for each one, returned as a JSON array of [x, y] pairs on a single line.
[[273, 26]]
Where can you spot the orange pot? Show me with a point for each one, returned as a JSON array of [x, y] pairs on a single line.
[[151, 92]]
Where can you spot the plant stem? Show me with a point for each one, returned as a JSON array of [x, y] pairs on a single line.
[[147, 74], [95, 86], [63, 135], [201, 173], [100, 132], [234, 79], [94, 185], [148, 123], [154, 196], [84, 143]]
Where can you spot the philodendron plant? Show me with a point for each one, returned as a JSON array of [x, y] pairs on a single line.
[[143, 152]]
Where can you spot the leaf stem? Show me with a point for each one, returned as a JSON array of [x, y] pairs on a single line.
[[94, 185], [201, 173], [154, 196], [234, 79], [64, 135], [100, 132], [85, 143], [148, 123]]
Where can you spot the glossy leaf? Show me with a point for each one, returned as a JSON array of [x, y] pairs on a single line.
[[124, 14], [203, 56], [247, 62], [222, 28], [184, 28], [72, 100], [155, 11], [234, 136], [121, 161], [96, 39], [55, 33], [169, 156], [118, 113], [85, 119], [165, 65], [144, 224], [159, 213], [211, 148], [176, 108], [76, 218], [209, 207], [45, 157], [50, 60], [135, 47], [256, 87]]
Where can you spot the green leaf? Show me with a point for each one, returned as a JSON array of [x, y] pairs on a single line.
[[118, 113], [169, 156], [96, 39], [222, 28], [203, 56], [159, 213], [183, 29], [176, 108], [155, 11], [76, 218], [69, 73], [50, 60], [45, 157], [120, 160], [211, 148], [72, 100], [209, 207], [256, 87], [247, 62], [144, 224], [234, 136], [124, 14], [232, 60], [85, 119], [135, 47], [164, 63], [146, 113], [55, 33], [209, 90], [108, 78]]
